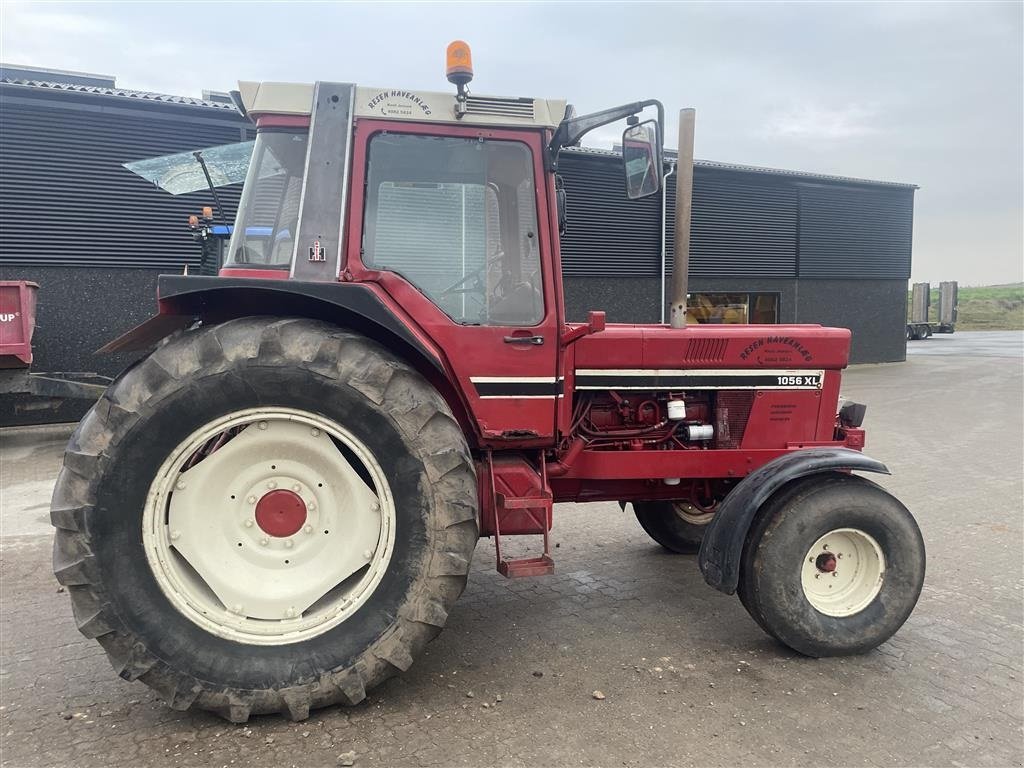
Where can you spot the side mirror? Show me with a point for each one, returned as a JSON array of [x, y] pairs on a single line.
[[641, 158], [595, 321]]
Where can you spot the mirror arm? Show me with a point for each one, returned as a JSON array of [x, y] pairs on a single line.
[[571, 130]]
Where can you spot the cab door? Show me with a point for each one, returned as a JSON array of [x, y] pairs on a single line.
[[454, 227]]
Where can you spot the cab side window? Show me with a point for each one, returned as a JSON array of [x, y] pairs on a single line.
[[457, 218]]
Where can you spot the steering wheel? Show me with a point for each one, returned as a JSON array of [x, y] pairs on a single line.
[[460, 287]]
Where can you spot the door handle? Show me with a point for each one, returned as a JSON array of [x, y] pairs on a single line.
[[535, 340]]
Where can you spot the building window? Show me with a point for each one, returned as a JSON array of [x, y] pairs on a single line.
[[757, 308]]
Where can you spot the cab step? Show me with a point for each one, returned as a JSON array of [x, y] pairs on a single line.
[[526, 566]]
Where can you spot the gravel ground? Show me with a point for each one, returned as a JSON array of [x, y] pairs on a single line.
[[687, 677]]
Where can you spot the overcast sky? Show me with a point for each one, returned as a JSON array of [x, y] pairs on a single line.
[[925, 93]]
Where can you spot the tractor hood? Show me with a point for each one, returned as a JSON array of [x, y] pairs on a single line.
[[654, 348]]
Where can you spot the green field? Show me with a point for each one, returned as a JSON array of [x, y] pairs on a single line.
[[984, 308]]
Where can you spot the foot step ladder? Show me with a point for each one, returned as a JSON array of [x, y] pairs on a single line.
[[538, 508]]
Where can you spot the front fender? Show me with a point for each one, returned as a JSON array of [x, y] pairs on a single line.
[[722, 545]]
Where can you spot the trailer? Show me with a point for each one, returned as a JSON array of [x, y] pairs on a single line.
[[17, 326], [920, 326]]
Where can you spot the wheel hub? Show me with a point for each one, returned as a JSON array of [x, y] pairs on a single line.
[[275, 535], [825, 562], [281, 513], [842, 572]]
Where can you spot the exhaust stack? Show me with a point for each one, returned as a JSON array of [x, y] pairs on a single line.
[[684, 205]]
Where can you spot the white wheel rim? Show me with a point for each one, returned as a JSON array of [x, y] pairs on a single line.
[[842, 572], [691, 514], [263, 540]]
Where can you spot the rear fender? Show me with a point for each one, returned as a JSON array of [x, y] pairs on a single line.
[[183, 299], [722, 546]]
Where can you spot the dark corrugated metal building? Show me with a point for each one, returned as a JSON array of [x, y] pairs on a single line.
[[767, 245]]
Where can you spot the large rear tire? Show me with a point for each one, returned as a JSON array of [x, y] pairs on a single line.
[[833, 566], [269, 515], [677, 525]]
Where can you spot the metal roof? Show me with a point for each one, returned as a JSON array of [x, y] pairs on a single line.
[[670, 154], [124, 93]]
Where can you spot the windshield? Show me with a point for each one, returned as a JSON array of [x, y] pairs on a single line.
[[180, 173], [268, 215]]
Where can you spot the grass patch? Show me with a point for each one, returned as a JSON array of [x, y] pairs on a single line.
[[984, 308]]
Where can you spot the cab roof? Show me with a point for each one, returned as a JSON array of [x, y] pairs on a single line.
[[397, 104]]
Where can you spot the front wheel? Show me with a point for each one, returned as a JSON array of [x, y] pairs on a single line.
[[265, 516], [834, 567]]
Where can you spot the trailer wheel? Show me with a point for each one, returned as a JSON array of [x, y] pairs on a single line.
[[833, 567], [677, 525], [265, 516]]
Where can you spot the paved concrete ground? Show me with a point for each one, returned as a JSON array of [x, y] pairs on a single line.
[[689, 679], [970, 343]]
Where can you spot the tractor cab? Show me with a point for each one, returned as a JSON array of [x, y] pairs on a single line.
[[444, 207]]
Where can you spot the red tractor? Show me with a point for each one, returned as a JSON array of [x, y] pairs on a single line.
[[275, 509]]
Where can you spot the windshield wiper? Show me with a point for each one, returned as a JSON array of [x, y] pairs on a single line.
[[198, 155]]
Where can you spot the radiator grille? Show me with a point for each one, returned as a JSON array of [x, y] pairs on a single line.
[[705, 350], [732, 410]]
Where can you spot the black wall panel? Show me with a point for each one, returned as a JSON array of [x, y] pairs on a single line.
[[607, 234], [846, 232], [743, 225], [66, 200], [740, 226]]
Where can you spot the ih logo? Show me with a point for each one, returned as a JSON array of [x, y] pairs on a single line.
[[6, 317], [317, 252]]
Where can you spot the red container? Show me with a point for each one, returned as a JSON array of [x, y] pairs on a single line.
[[17, 322]]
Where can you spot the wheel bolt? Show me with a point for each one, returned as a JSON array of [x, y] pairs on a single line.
[[237, 608], [311, 506], [175, 535], [251, 500], [834, 574], [824, 546], [307, 529], [264, 541], [290, 613], [180, 484], [288, 544], [296, 487], [272, 484], [314, 432], [262, 425], [368, 554], [248, 523], [375, 506]]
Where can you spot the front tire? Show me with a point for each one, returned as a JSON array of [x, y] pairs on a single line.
[[279, 409], [833, 567]]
